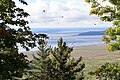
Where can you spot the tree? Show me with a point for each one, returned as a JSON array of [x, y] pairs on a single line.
[[11, 15], [108, 13], [56, 64], [13, 63], [41, 64], [64, 66], [108, 71]]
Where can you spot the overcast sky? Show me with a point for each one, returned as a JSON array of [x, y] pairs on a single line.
[[60, 14]]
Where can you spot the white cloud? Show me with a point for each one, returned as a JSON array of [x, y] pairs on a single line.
[[58, 13]]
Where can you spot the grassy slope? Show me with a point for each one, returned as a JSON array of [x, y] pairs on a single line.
[[95, 62], [93, 56]]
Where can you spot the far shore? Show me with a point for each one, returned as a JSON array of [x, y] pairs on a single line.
[[84, 51]]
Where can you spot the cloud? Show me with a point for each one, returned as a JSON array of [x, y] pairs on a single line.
[[61, 13]]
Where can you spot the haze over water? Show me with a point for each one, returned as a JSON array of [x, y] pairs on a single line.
[[70, 36]]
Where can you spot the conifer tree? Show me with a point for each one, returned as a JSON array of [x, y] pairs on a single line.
[[56, 64], [41, 64], [64, 66]]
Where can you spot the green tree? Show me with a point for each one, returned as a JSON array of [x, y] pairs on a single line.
[[13, 63], [11, 15], [108, 71], [109, 13], [56, 64], [41, 64], [64, 66]]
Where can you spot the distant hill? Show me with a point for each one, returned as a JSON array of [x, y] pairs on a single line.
[[92, 33]]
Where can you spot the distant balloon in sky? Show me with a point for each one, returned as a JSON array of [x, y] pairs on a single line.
[[43, 10]]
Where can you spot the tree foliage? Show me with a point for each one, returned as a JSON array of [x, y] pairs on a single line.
[[108, 11], [41, 64], [108, 71], [66, 67], [56, 64], [11, 15], [13, 63]]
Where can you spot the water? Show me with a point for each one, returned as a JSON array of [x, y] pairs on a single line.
[[74, 40], [70, 36]]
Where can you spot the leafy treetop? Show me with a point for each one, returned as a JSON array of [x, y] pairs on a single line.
[[108, 71], [13, 63], [108, 11], [11, 15]]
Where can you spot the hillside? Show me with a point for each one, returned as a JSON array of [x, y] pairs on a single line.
[[92, 33]]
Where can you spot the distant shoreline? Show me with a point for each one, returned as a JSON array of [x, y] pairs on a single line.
[[74, 46], [84, 51]]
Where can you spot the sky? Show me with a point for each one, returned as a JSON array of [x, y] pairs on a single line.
[[60, 14]]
